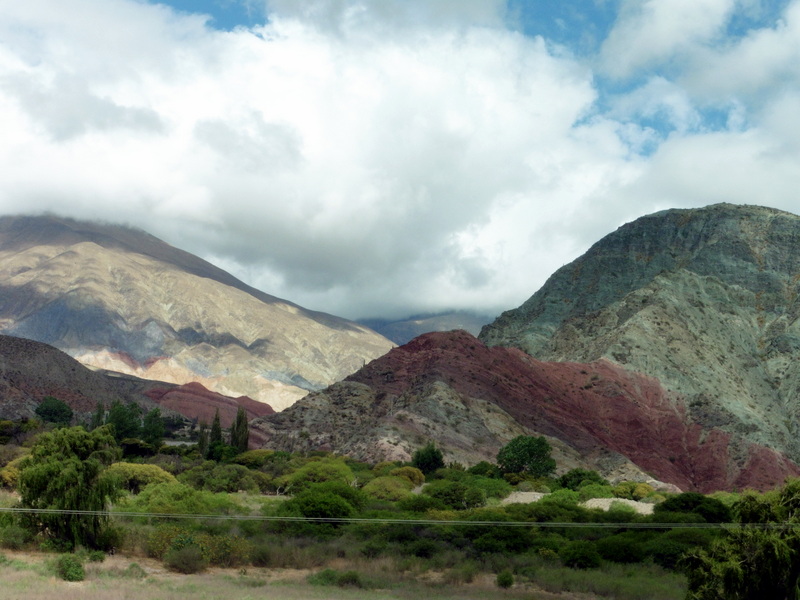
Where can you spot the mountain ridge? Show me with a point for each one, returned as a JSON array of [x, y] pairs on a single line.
[[705, 300], [122, 300]]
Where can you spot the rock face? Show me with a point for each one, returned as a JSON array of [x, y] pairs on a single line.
[[122, 300], [704, 300], [472, 399]]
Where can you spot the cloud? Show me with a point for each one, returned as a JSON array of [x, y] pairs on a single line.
[[651, 32], [381, 158]]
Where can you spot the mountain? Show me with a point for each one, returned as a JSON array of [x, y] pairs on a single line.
[[402, 331], [119, 299], [472, 399], [30, 371], [704, 300]]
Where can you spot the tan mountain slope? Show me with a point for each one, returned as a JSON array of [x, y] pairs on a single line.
[[120, 299], [705, 300]]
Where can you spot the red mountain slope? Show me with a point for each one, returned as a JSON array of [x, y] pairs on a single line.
[[594, 408]]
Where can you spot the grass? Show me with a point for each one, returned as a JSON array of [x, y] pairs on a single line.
[[121, 578]]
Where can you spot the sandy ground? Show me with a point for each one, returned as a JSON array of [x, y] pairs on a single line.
[[643, 508]]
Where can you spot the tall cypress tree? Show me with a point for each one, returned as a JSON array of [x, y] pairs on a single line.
[[215, 437], [240, 431]]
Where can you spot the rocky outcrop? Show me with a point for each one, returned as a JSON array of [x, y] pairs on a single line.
[[704, 300], [472, 399], [119, 299]]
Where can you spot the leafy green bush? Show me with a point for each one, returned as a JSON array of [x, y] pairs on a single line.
[[333, 577], [580, 554], [70, 568], [187, 560], [420, 503], [414, 475], [213, 477], [622, 548], [710, 509], [389, 487], [254, 459], [451, 493], [505, 579], [134, 476], [319, 471], [428, 458], [177, 498], [14, 537], [575, 479], [594, 490]]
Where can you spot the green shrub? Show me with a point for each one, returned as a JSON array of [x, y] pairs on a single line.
[[349, 579], [580, 554], [97, 556], [324, 577], [134, 571], [505, 579], [333, 577], [420, 503], [70, 568], [414, 475], [594, 490], [177, 498], [261, 555], [133, 476], [254, 459], [14, 537], [622, 548], [187, 560], [319, 471], [575, 479]]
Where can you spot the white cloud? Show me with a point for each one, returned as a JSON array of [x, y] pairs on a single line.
[[372, 158], [657, 31]]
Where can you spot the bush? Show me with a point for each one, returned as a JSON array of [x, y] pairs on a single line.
[[14, 537], [389, 488], [575, 479], [622, 548], [177, 498], [70, 568], [414, 475], [505, 579], [134, 477], [581, 555], [420, 503], [187, 560], [428, 458], [333, 577], [261, 555]]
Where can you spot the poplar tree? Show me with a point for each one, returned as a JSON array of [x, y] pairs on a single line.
[[240, 431]]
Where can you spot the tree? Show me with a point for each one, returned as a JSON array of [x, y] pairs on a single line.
[[215, 437], [202, 440], [428, 458], [527, 454], [153, 428], [240, 431], [54, 410], [98, 417], [65, 472], [126, 420], [752, 561]]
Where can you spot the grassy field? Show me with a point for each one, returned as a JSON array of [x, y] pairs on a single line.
[[29, 576]]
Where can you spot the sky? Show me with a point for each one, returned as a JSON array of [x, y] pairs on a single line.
[[383, 158]]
